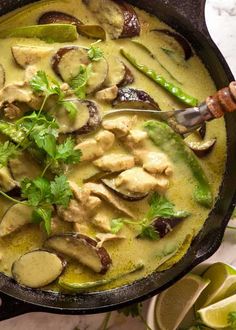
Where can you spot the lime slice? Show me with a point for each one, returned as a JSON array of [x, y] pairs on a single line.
[[173, 304], [216, 316], [223, 284]]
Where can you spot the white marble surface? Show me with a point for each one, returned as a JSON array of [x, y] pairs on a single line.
[[221, 20]]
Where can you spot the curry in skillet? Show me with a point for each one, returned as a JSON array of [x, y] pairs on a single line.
[[92, 203]]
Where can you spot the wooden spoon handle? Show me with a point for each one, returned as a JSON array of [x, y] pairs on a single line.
[[223, 101]]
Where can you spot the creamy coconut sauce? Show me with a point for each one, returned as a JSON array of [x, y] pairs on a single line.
[[195, 80]]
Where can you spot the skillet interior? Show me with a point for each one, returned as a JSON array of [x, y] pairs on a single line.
[[208, 239]]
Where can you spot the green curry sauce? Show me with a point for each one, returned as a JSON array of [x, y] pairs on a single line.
[[195, 80]]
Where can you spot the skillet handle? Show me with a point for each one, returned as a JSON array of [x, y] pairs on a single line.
[[192, 10], [10, 307]]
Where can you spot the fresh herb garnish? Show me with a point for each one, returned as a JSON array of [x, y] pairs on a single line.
[[232, 320], [146, 231], [134, 311], [41, 83], [95, 53], [79, 82], [41, 194], [7, 150], [160, 206]]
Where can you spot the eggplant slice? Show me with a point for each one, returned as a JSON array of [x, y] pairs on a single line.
[[67, 61], [83, 249], [118, 18], [130, 98], [202, 149], [87, 118], [181, 40], [2, 76], [15, 218], [119, 74], [57, 17], [29, 55], [128, 196], [37, 269]]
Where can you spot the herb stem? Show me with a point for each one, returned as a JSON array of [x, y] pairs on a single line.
[[104, 325], [230, 227], [12, 199], [46, 168]]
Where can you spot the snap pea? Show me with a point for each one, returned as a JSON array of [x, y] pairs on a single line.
[[173, 145], [170, 87], [79, 287]]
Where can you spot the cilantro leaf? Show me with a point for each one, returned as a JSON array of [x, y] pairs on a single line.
[[232, 320], [149, 232], [61, 191], [79, 82], [117, 225], [133, 310], [161, 207], [41, 83], [66, 152], [43, 214], [95, 53], [7, 150], [36, 191]]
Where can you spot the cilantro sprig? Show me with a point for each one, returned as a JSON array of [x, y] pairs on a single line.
[[95, 53], [41, 194], [160, 206], [80, 81], [232, 320]]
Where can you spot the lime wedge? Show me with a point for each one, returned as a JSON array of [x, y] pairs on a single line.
[[223, 284], [48, 32], [216, 316], [173, 304]]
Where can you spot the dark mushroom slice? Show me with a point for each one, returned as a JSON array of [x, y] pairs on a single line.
[[37, 269], [182, 41], [7, 183], [29, 55], [90, 31], [83, 249], [67, 61], [2, 76], [86, 120], [118, 74], [80, 287], [15, 218], [126, 195], [130, 98], [24, 166], [202, 149], [118, 18]]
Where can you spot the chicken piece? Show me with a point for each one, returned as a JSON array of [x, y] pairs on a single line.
[[154, 162], [101, 191], [120, 126], [105, 139], [81, 228], [107, 237], [136, 136], [96, 147], [7, 183], [136, 180], [102, 220], [58, 226], [115, 162], [81, 208], [30, 72], [108, 94], [11, 111], [15, 92]]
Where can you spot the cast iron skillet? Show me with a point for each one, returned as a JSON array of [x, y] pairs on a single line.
[[187, 16]]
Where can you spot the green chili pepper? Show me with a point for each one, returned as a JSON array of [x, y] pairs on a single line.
[[173, 145], [170, 87]]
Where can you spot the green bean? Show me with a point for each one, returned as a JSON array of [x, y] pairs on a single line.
[[170, 87], [174, 146]]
